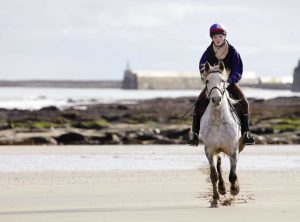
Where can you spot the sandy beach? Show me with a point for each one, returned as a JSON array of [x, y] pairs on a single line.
[[172, 186]]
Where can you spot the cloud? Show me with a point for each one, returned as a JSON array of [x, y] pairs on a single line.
[[169, 34]]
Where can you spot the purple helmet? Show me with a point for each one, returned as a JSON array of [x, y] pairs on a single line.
[[217, 29]]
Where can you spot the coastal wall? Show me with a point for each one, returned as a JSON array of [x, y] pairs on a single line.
[[154, 79], [161, 80], [60, 83]]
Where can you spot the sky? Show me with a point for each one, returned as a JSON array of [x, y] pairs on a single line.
[[95, 39]]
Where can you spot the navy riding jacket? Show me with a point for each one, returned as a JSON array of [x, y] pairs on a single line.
[[232, 61]]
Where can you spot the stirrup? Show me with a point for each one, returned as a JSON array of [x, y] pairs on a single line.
[[248, 138], [193, 139]]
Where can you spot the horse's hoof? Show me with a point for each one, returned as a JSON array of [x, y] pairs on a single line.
[[214, 204], [221, 189], [234, 190]]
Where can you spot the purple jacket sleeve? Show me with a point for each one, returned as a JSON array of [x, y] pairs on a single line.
[[237, 68], [202, 62]]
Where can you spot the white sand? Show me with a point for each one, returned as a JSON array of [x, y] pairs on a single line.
[[147, 195]]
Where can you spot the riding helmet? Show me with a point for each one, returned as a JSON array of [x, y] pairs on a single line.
[[216, 29]]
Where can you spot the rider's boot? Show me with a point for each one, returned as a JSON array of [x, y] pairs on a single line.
[[193, 139], [247, 135]]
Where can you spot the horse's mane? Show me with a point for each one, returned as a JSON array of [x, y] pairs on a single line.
[[231, 100]]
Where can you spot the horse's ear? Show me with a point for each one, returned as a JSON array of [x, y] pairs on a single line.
[[221, 65], [206, 68]]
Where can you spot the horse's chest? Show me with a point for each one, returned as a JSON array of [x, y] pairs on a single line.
[[217, 135]]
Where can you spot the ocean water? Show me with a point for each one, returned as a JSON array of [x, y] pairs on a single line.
[[36, 98]]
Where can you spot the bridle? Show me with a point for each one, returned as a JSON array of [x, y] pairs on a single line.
[[215, 87], [232, 109]]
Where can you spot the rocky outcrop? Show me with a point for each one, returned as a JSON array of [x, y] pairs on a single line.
[[155, 121]]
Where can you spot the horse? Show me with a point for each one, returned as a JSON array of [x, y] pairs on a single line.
[[220, 130]]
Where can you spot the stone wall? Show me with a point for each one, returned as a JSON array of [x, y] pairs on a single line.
[[169, 83], [61, 83], [133, 80]]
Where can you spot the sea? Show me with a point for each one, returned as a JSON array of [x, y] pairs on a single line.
[[37, 98]]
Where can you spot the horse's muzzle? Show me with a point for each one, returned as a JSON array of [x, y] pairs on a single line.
[[216, 100]]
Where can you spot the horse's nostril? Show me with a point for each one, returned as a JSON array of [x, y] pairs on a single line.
[[216, 100]]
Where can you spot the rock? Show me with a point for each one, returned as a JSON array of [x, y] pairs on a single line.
[[108, 138], [70, 116], [29, 141], [6, 126], [277, 140], [295, 139], [122, 107], [131, 138], [145, 135], [42, 141], [72, 138], [81, 125], [163, 140], [260, 139], [50, 108], [156, 131], [176, 133], [113, 138], [261, 130]]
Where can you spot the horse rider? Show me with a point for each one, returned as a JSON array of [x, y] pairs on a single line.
[[221, 50]]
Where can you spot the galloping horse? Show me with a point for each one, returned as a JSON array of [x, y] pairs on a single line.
[[220, 130]]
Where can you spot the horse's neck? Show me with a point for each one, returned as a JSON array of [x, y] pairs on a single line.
[[221, 115]]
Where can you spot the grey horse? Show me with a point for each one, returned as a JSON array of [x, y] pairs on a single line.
[[220, 130]]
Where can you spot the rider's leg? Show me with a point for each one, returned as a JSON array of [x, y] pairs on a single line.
[[237, 94], [199, 110]]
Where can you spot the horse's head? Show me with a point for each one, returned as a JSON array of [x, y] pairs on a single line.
[[215, 79]]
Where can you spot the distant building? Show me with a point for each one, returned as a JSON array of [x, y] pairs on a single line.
[[154, 79], [296, 82]]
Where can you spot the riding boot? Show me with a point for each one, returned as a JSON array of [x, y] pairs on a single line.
[[200, 107], [247, 135], [193, 139]]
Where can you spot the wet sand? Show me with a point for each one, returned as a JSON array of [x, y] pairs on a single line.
[[146, 195]]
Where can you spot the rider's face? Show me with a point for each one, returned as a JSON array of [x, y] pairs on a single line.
[[218, 39]]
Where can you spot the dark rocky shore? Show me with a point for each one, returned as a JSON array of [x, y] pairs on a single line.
[[155, 121]]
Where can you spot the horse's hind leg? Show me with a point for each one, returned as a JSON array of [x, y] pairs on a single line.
[[221, 186], [214, 179], [235, 187]]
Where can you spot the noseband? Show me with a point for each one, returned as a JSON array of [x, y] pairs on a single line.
[[215, 87]]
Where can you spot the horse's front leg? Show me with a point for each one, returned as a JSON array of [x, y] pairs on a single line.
[[221, 185], [214, 178], [235, 187]]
